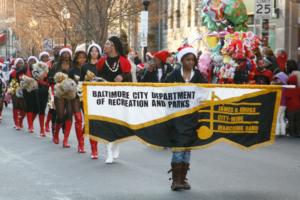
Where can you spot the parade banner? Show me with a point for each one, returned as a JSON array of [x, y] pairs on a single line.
[[181, 116]]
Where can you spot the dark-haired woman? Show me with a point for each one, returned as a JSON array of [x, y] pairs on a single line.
[[62, 106], [180, 164], [75, 74], [114, 67], [94, 54]]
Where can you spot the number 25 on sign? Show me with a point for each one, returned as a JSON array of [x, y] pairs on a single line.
[[263, 9]]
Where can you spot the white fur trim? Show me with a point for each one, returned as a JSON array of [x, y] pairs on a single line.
[[44, 53], [185, 51], [81, 48], [33, 57], [94, 45], [63, 50], [16, 62]]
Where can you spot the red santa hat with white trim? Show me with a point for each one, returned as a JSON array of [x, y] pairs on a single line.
[[184, 50]]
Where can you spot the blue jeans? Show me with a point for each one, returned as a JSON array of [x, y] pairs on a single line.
[[181, 157]]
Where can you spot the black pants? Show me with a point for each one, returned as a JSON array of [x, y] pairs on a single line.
[[293, 123], [42, 99], [32, 101]]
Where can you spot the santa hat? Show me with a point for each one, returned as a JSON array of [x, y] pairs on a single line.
[[34, 58], [80, 48], [141, 66], [94, 45], [63, 50], [44, 53], [17, 61], [182, 51], [162, 55]]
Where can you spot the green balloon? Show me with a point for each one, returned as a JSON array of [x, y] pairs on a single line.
[[236, 12]]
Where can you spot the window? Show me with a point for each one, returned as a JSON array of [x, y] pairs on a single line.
[[172, 15], [197, 12], [165, 14], [178, 14], [189, 18]]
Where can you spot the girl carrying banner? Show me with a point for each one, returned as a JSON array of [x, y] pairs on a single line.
[[114, 67], [88, 73], [187, 73]]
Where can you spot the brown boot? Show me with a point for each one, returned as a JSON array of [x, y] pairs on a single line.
[[184, 170], [176, 177]]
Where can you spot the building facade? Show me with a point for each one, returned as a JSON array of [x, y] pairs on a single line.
[[174, 21]]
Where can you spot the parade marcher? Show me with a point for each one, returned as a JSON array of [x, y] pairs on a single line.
[[62, 106], [187, 73], [94, 53], [114, 67], [281, 79], [16, 93], [31, 98], [44, 57], [2, 91], [157, 69], [51, 116], [43, 87], [79, 60]]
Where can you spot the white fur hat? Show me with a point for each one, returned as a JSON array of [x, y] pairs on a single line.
[[184, 51], [63, 50], [95, 45], [16, 62], [44, 53], [34, 58], [81, 48]]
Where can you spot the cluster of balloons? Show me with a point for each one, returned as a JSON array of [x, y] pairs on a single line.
[[227, 53], [218, 15]]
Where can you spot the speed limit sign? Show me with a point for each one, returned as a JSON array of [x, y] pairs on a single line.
[[263, 9]]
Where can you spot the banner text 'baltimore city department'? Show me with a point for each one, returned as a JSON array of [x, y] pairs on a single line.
[[181, 116]]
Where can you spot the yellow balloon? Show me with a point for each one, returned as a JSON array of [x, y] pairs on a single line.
[[212, 41]]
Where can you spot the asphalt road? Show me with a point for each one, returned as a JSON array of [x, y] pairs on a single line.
[[32, 168]]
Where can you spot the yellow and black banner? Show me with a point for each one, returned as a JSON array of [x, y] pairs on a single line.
[[181, 116]]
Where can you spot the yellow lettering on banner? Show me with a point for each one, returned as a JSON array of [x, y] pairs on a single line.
[[226, 109], [237, 118], [247, 110], [251, 128]]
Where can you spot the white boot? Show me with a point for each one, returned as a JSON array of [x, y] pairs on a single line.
[[116, 151], [110, 157]]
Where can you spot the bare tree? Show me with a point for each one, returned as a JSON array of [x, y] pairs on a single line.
[[90, 19]]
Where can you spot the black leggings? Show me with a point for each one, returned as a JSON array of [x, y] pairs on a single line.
[[32, 101], [76, 105], [42, 99], [63, 110], [18, 103]]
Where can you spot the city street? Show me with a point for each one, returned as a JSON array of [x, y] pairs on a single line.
[[32, 168]]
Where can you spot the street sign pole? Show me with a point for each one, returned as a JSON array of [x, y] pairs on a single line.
[[263, 11]]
